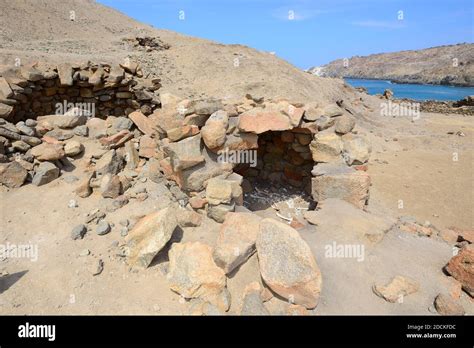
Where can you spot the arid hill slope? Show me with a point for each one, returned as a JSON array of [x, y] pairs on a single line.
[[446, 65], [35, 30]]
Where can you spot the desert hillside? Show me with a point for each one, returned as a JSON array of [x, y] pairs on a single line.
[[42, 30], [443, 65]]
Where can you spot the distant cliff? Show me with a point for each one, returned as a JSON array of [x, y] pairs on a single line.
[[442, 65]]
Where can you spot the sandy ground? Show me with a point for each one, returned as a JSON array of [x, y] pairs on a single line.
[[419, 171]]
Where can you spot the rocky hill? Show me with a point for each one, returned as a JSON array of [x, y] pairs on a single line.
[[42, 30], [443, 65]]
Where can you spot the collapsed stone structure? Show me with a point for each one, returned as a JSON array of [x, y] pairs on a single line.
[[211, 152]]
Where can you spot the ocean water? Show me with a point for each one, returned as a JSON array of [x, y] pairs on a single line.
[[413, 91]]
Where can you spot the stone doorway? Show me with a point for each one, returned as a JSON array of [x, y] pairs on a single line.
[[280, 178]]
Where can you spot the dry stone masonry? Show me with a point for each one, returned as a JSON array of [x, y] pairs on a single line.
[[210, 153]]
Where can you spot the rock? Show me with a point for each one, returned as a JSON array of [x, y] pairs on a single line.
[[84, 189], [143, 123], [259, 120], [48, 152], [324, 122], [449, 236], [5, 110], [287, 265], [129, 66], [236, 241], [110, 186], [189, 218], [461, 267], [97, 128], [344, 124], [193, 274], [32, 141], [24, 129], [218, 191], [97, 267], [73, 148], [445, 305], [185, 153], [65, 72], [352, 186], [116, 140], [148, 147], [178, 133], [346, 222], [207, 107], [58, 134], [150, 235], [214, 134], [252, 303], [20, 146], [326, 147], [197, 202], [63, 121], [5, 89], [356, 150], [332, 110], [103, 227], [397, 289], [78, 232], [219, 212], [45, 173], [110, 163], [12, 174]]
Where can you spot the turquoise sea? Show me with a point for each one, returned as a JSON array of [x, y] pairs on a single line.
[[413, 91]]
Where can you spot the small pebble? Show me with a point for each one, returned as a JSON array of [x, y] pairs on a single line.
[[78, 232], [103, 228]]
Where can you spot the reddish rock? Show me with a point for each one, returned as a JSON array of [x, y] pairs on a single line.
[[147, 147], [259, 120], [461, 267], [143, 123], [197, 202], [117, 139]]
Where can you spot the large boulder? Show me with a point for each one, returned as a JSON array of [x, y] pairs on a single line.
[[356, 149], [110, 163], [259, 121], [326, 146], [193, 274], [461, 267], [349, 185], [45, 173], [12, 174], [48, 152], [287, 265], [218, 191], [236, 241], [63, 121], [150, 235], [185, 153]]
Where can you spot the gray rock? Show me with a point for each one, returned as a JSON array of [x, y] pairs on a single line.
[[45, 173], [110, 163], [78, 232], [103, 227], [81, 131]]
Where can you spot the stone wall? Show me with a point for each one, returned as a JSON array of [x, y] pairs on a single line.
[[29, 92]]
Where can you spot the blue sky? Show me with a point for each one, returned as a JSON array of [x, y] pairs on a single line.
[[312, 32]]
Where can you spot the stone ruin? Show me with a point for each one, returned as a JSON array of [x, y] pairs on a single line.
[[306, 147], [216, 156]]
